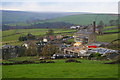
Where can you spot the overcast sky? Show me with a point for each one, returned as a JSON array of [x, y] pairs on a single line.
[[95, 6]]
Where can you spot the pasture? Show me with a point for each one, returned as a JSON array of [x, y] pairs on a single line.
[[114, 30], [103, 38], [107, 37], [85, 19], [78, 19], [60, 69], [11, 36]]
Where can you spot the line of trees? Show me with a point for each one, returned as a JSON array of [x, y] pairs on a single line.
[[39, 25], [101, 25], [113, 22], [29, 36]]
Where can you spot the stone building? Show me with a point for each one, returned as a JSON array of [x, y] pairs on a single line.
[[76, 51], [9, 51], [85, 36]]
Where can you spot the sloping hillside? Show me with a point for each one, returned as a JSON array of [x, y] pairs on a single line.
[[22, 16], [85, 19], [20, 19]]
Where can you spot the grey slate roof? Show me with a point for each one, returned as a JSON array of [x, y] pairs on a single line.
[[98, 43], [7, 46], [84, 32]]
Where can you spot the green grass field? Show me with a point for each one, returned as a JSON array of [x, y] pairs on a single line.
[[60, 69], [12, 36], [85, 19], [107, 37], [109, 27], [13, 39], [79, 19], [103, 38], [114, 30]]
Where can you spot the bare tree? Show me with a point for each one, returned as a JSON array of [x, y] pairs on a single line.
[[100, 27], [31, 49], [49, 50]]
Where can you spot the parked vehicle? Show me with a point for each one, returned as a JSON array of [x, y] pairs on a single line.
[[41, 58], [59, 56]]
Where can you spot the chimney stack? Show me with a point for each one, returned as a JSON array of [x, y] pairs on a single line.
[[94, 26], [94, 29]]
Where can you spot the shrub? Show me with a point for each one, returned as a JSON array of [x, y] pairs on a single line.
[[95, 56], [22, 38], [47, 62], [42, 61], [72, 60], [50, 61]]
